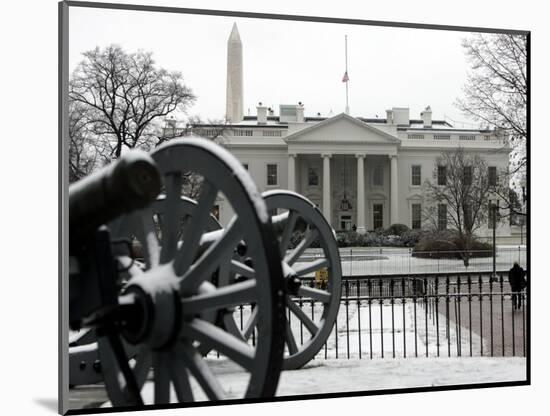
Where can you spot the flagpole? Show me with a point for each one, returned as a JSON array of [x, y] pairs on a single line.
[[347, 102]]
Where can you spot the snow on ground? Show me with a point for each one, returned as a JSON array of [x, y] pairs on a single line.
[[402, 324], [335, 375], [343, 375]]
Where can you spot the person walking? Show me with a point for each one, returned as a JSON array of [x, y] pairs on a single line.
[[516, 278]]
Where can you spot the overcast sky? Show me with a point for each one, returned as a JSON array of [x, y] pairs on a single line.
[[286, 62]]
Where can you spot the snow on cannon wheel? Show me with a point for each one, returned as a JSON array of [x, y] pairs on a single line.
[[299, 219], [173, 291]]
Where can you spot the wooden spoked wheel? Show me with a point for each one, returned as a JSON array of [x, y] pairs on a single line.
[[173, 293], [312, 284]]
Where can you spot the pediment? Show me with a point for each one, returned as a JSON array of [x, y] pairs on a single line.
[[342, 128]]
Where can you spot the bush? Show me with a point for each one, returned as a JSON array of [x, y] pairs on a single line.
[[299, 236], [411, 237], [396, 229], [447, 244]]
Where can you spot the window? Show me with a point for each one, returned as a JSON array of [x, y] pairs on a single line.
[[345, 222], [378, 176], [313, 177], [416, 223], [441, 216], [271, 133], [467, 175], [245, 165], [442, 137], [466, 137], [416, 136], [492, 175], [377, 216], [416, 175], [442, 175], [271, 175]]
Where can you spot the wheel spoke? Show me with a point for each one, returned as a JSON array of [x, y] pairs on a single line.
[[309, 238], [144, 360], [290, 340], [250, 324], [123, 388], [162, 377], [170, 220], [301, 315], [224, 297], [242, 269], [180, 378], [287, 232], [211, 259], [194, 229], [223, 342], [316, 294], [311, 267], [146, 234], [200, 370]]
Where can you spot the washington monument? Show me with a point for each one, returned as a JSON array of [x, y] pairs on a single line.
[[234, 103]]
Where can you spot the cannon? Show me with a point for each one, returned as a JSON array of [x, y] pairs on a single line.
[[162, 311], [213, 270]]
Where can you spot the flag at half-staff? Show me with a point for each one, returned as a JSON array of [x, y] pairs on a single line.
[[346, 77]]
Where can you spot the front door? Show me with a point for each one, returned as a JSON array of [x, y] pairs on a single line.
[[377, 216], [345, 222]]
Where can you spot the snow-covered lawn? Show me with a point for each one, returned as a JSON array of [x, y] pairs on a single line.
[[343, 375], [372, 261], [336, 375]]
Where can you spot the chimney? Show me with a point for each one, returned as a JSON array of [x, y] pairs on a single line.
[[389, 117], [262, 113], [401, 116], [300, 113], [426, 116]]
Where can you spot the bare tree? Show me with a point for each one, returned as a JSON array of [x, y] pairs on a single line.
[[213, 129], [84, 156], [496, 89], [124, 96], [460, 182]]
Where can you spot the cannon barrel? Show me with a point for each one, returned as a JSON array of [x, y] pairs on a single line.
[[128, 184]]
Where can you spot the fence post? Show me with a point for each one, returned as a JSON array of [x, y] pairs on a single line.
[[350, 262], [410, 255]]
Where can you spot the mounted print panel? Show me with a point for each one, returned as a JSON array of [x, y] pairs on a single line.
[[266, 207]]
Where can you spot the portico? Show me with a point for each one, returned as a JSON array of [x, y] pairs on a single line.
[[347, 168]]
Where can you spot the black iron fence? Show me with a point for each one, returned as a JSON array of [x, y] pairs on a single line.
[[430, 315]]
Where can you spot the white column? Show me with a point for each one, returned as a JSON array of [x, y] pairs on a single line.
[[326, 187], [361, 228], [394, 216], [291, 172]]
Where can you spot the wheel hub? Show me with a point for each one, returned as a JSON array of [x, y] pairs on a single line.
[[156, 317]]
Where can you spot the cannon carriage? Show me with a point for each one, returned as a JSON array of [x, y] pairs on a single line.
[[162, 317]]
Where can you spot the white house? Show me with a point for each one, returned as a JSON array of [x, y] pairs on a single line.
[[361, 172]]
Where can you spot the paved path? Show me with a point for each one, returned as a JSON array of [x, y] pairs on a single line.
[[503, 335]]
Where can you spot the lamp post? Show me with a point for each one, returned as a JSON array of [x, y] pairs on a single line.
[[524, 198], [495, 212]]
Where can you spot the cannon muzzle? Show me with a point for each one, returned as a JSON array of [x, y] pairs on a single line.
[[128, 184]]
